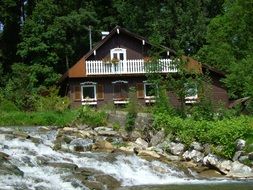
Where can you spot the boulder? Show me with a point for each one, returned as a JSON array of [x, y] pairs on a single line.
[[69, 166], [240, 144], [148, 153], [224, 166], [211, 160], [172, 157], [80, 145], [103, 145], [237, 155], [176, 148], [157, 138], [240, 170], [250, 155], [98, 129], [196, 146], [21, 134], [207, 148], [142, 143], [194, 155], [108, 133], [135, 135], [7, 168], [243, 158]]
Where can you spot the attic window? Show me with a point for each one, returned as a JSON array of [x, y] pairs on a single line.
[[118, 53]]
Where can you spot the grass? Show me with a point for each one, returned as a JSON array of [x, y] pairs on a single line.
[[18, 118]]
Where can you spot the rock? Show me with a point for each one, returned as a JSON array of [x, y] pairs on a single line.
[[21, 134], [143, 121], [69, 130], [237, 155], [142, 143], [157, 138], [224, 166], [210, 173], [44, 128], [172, 157], [109, 181], [7, 168], [88, 134], [148, 153], [98, 129], [108, 133], [126, 149], [103, 145], [67, 139], [240, 170], [80, 145], [207, 149], [194, 155], [243, 158], [250, 156], [135, 135], [240, 144], [63, 165], [176, 148], [211, 160], [196, 146], [156, 149]]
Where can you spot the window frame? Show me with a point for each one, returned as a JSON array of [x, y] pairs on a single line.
[[118, 51], [89, 101], [191, 99], [149, 99], [115, 100]]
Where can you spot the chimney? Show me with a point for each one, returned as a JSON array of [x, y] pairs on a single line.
[[104, 34]]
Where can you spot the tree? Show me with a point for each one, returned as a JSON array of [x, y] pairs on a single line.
[[229, 47], [10, 17], [50, 37]]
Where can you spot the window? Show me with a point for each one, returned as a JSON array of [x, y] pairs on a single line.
[[150, 91], [191, 93], [88, 92], [118, 53], [120, 92]]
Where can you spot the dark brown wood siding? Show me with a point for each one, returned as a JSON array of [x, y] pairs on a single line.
[[134, 48], [217, 92]]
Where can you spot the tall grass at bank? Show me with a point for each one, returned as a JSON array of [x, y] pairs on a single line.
[[45, 118], [218, 133]]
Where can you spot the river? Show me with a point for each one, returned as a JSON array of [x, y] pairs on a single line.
[[46, 169]]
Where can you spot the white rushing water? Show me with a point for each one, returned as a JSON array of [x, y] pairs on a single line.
[[128, 169]]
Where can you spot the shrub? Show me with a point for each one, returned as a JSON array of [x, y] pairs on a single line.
[[131, 110], [222, 133], [51, 101], [89, 116], [7, 106]]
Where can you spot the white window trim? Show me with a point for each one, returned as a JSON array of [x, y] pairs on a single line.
[[89, 101], [148, 99], [192, 99], [115, 100], [118, 51]]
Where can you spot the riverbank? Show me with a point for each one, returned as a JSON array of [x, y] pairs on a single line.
[[32, 158]]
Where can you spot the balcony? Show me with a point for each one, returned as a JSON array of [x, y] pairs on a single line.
[[135, 66]]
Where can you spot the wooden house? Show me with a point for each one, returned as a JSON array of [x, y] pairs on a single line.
[[119, 61]]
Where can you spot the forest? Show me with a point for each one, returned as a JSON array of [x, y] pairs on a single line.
[[41, 39]]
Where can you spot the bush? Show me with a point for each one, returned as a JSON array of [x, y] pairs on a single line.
[[51, 102], [7, 106], [222, 133], [131, 110], [91, 117]]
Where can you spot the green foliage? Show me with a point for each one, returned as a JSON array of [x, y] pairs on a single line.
[[91, 117], [116, 126], [131, 110], [48, 118], [25, 82], [52, 102], [219, 133], [7, 106]]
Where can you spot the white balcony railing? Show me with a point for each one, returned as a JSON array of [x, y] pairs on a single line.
[[135, 66]]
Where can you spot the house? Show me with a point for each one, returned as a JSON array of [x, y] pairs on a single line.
[[119, 61]]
